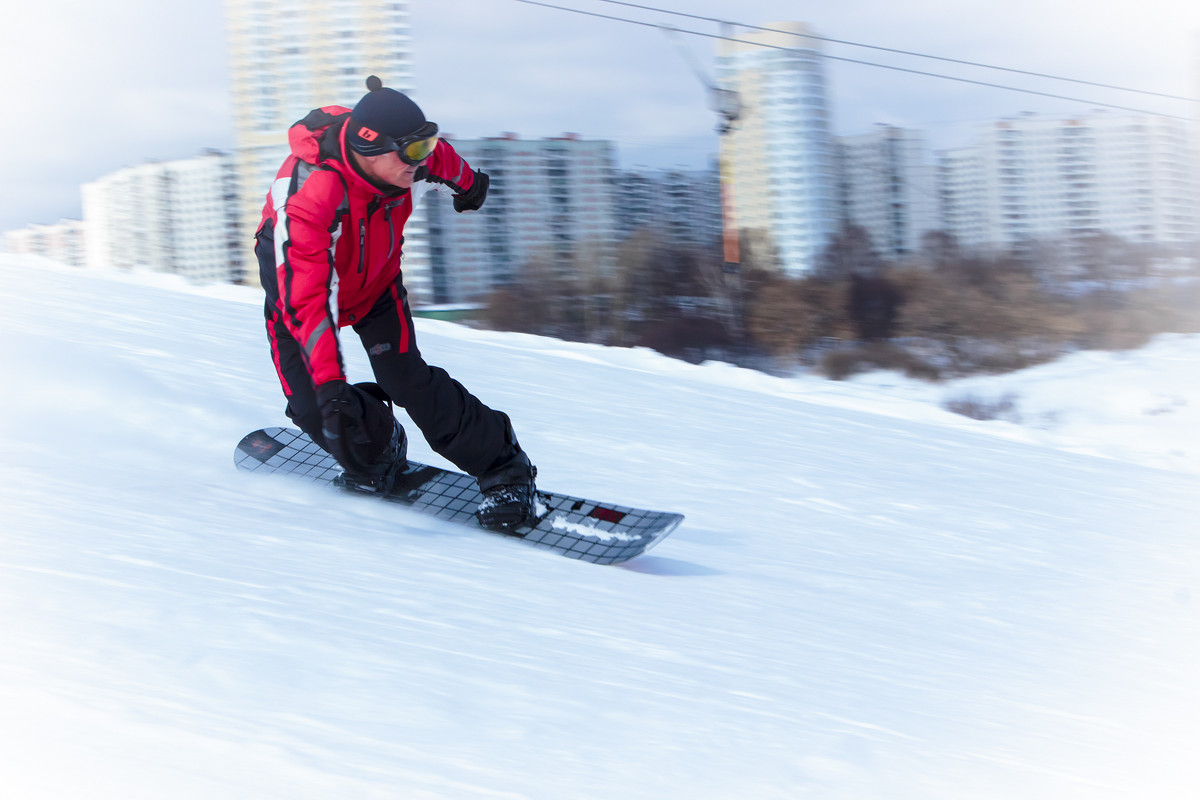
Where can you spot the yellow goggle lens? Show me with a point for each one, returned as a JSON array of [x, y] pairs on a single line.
[[421, 149]]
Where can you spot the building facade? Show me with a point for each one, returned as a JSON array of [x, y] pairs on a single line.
[[889, 188], [1032, 179], [684, 204], [549, 198], [64, 241], [288, 57], [779, 156], [172, 216]]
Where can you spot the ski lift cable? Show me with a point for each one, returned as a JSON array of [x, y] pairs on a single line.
[[1094, 103], [897, 51]]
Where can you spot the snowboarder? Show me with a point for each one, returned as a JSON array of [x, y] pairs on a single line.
[[329, 249]]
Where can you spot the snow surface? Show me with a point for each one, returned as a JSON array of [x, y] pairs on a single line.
[[871, 597]]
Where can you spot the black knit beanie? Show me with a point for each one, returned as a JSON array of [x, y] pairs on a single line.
[[381, 111]]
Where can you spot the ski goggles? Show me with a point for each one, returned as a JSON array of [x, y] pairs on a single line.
[[417, 147], [412, 149]]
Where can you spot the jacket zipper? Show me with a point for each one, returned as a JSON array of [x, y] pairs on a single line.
[[372, 207], [362, 244]]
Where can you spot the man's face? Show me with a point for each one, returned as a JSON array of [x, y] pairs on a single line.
[[388, 168]]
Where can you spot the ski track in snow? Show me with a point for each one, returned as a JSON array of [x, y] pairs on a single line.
[[869, 598]]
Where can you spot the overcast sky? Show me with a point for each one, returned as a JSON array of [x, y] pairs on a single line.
[[91, 87]]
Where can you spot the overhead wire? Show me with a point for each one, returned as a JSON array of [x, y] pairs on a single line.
[[897, 51], [908, 70]]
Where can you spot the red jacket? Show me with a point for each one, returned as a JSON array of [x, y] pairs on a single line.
[[337, 235]]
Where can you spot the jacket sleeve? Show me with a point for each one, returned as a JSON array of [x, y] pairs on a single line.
[[447, 167], [306, 224]]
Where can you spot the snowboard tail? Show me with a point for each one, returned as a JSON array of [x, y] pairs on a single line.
[[571, 526]]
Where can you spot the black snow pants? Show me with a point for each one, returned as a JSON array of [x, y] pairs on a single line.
[[454, 422]]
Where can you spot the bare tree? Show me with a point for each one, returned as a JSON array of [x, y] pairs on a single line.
[[874, 305], [850, 252]]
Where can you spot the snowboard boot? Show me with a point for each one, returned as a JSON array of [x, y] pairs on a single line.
[[509, 494], [382, 478]]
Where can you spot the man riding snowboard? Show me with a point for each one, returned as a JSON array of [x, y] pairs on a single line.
[[329, 249]]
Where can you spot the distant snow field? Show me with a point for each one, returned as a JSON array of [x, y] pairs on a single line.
[[871, 596]]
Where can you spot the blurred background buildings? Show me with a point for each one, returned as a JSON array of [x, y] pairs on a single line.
[[888, 186], [173, 216], [551, 196], [1032, 178], [1021, 182]]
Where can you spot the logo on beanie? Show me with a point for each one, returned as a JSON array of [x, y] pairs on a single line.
[[368, 134]]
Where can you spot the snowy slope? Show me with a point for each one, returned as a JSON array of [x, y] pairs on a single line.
[[870, 598]]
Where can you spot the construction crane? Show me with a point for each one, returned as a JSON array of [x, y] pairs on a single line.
[[728, 106]]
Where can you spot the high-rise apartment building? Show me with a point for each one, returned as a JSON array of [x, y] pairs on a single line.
[[1033, 178], [548, 198], [288, 57], [961, 193], [685, 205], [780, 153], [889, 188], [170, 216]]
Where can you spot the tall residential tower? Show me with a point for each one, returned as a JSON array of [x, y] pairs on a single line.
[[781, 153], [288, 57]]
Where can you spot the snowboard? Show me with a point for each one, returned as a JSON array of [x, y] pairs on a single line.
[[601, 533]]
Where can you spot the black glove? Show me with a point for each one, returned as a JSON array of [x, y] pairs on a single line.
[[472, 198], [342, 424]]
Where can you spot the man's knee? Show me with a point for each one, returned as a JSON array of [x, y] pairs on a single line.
[[403, 375]]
